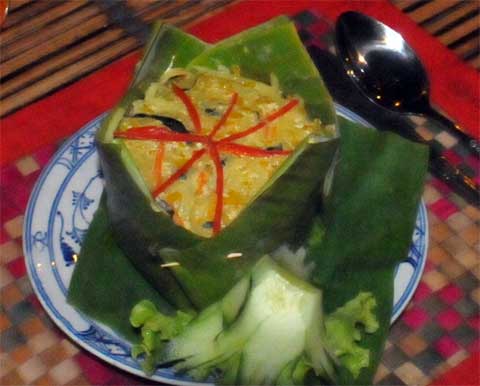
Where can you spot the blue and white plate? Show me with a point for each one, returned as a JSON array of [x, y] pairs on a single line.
[[60, 209]]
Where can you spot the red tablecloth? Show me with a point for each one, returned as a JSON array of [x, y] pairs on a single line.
[[455, 89]]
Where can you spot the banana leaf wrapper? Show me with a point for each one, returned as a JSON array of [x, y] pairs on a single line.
[[368, 219], [286, 205], [105, 273], [371, 179]]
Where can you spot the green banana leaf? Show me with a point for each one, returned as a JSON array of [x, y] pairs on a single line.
[[363, 176], [134, 217], [147, 234], [289, 203], [104, 273], [274, 48], [369, 218]]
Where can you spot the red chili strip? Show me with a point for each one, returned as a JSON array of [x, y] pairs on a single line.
[[217, 219], [159, 133], [180, 172], [224, 118], [192, 110], [275, 115], [235, 148]]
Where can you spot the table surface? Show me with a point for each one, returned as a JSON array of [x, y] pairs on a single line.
[[48, 44], [45, 45]]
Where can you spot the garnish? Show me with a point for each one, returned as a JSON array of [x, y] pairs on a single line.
[[217, 219], [159, 162], [159, 133], [192, 111], [269, 329], [201, 181], [224, 118], [277, 114], [179, 173]]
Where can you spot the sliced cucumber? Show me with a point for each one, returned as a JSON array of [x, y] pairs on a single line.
[[234, 300], [196, 344], [269, 329], [273, 345], [257, 330]]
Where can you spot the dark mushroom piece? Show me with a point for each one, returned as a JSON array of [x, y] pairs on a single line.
[[172, 123]]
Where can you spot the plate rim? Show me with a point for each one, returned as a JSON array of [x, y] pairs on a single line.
[[40, 293]]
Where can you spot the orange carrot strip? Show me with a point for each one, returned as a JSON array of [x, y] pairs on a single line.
[[159, 163], [177, 219], [270, 132], [191, 109], [201, 181], [217, 220], [235, 148], [181, 171], [275, 115], [224, 118]]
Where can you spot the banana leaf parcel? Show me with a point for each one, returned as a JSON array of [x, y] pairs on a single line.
[[285, 204], [354, 238]]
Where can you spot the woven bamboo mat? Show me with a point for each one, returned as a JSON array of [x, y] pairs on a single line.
[[48, 44]]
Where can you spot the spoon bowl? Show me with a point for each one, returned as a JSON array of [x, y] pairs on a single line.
[[388, 71]]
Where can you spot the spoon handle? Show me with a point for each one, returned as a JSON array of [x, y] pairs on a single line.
[[448, 172], [454, 177], [470, 143]]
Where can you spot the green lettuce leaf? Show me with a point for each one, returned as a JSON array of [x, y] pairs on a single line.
[[156, 328], [344, 331]]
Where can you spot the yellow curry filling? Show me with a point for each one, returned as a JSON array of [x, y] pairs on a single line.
[[206, 142]]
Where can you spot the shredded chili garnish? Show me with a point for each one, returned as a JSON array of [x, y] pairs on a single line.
[[191, 109], [224, 117], [277, 114], [159, 133], [180, 172], [214, 147]]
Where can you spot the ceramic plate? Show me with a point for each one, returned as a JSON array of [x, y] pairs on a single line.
[[60, 209]]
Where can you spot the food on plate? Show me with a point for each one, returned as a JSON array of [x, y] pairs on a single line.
[[192, 159], [242, 228]]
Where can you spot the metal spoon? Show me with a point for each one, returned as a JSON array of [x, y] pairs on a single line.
[[388, 71]]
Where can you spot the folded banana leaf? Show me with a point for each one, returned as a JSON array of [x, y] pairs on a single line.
[[368, 217], [105, 273], [274, 48], [134, 217], [287, 203]]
